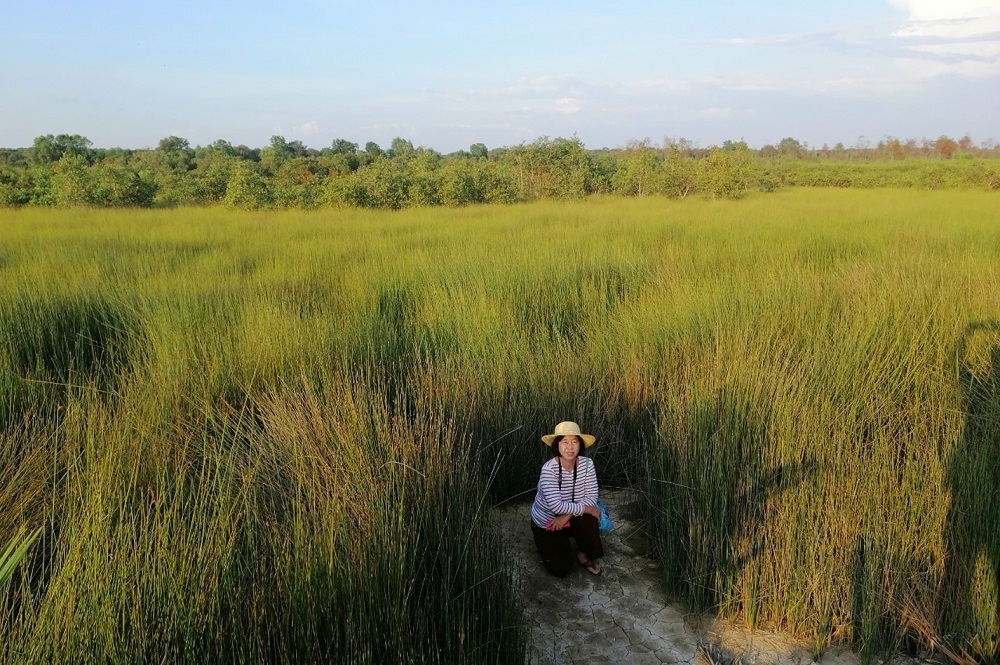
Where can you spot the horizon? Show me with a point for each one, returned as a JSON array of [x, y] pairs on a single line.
[[863, 144]]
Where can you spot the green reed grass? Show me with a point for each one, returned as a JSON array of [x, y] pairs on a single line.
[[276, 436]]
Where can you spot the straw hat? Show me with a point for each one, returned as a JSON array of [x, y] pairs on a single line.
[[565, 428]]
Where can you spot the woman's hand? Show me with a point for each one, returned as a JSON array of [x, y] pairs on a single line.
[[593, 510], [558, 523]]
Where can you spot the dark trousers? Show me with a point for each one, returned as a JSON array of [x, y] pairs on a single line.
[[555, 549]]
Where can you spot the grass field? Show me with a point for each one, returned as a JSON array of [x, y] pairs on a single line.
[[276, 435]]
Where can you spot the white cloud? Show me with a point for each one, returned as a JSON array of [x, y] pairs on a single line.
[[655, 85], [934, 38], [954, 19], [922, 68], [764, 40], [543, 86], [984, 50], [716, 112], [959, 37], [310, 127], [568, 105], [565, 105], [844, 85]]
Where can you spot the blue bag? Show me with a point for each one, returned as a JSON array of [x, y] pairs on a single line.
[[605, 524]]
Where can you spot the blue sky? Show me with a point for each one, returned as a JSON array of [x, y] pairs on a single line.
[[448, 74]]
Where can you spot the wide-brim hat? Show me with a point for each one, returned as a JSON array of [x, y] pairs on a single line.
[[566, 428]]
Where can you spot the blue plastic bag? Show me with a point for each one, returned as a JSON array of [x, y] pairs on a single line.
[[605, 524]]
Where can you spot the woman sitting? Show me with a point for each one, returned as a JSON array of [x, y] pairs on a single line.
[[566, 504]]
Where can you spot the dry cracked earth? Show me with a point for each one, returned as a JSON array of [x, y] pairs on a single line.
[[623, 615]]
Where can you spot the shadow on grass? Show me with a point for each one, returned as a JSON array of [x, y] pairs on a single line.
[[53, 345], [971, 594], [711, 492]]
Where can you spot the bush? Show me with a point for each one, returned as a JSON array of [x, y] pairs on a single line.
[[248, 189], [118, 186], [726, 174]]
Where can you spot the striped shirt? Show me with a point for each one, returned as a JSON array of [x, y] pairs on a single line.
[[550, 501]]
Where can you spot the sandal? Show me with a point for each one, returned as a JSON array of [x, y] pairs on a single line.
[[591, 567]]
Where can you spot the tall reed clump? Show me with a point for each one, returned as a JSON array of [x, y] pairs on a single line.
[[275, 436], [312, 527], [826, 457], [224, 475]]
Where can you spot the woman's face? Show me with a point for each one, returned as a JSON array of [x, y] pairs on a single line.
[[569, 447]]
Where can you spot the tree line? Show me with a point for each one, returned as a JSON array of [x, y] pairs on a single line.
[[66, 170]]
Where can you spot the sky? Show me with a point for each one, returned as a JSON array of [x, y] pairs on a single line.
[[445, 75]]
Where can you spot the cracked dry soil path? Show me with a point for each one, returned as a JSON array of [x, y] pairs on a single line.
[[623, 615]]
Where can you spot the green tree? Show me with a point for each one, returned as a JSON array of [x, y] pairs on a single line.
[[558, 168], [38, 183], [459, 184], [604, 167], [728, 175], [72, 182], [341, 163], [296, 184], [210, 177], [343, 191], [342, 147], [247, 188], [168, 167], [384, 184], [401, 149], [15, 187], [273, 156], [279, 148], [45, 150], [640, 172], [768, 151], [49, 149], [566, 167], [154, 166], [217, 147], [495, 182], [789, 147], [478, 151], [424, 178], [177, 152], [678, 174], [119, 186], [245, 153], [10, 196]]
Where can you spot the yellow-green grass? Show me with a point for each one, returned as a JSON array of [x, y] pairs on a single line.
[[275, 435]]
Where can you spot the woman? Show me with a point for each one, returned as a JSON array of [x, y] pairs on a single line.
[[566, 504]]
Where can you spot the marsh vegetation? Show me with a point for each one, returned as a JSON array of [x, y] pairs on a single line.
[[275, 436]]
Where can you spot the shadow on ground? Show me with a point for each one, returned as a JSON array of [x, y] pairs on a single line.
[[623, 616]]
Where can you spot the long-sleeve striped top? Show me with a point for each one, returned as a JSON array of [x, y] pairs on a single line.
[[551, 501]]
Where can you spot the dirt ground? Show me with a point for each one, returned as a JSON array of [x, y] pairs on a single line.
[[623, 616]]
